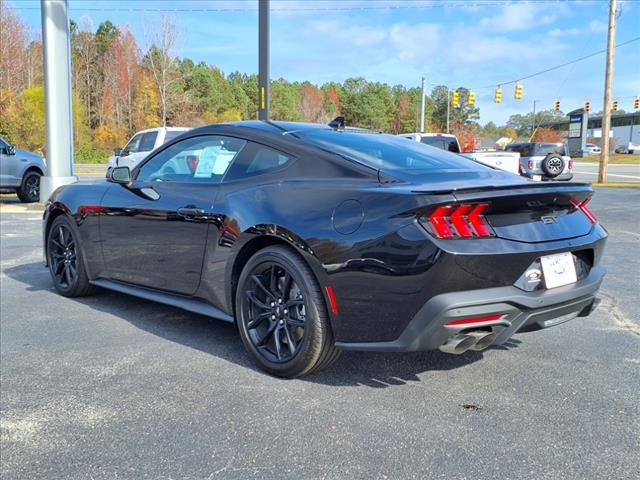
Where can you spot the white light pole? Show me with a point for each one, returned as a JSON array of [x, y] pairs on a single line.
[[57, 95], [422, 107]]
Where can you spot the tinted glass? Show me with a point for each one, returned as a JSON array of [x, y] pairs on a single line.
[[198, 159], [547, 148], [171, 135], [148, 142], [434, 142], [257, 159], [133, 144], [452, 145], [3, 146], [387, 152]]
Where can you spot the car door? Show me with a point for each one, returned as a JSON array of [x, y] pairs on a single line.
[[154, 231], [8, 166]]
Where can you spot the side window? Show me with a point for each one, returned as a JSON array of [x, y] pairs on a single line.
[[147, 142], [453, 146], [198, 159], [133, 144], [3, 146], [257, 159]]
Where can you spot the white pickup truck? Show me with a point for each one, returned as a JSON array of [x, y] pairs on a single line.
[[507, 161], [142, 144]]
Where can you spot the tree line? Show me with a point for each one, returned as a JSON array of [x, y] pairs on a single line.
[[118, 88]]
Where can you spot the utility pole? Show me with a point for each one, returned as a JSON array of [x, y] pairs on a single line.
[[448, 107], [608, 80], [533, 122], [263, 60], [422, 108], [57, 96]]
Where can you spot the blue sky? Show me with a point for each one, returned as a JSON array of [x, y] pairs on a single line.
[[453, 42]]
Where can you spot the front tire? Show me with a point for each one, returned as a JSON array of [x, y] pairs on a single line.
[[281, 314], [65, 259], [29, 191]]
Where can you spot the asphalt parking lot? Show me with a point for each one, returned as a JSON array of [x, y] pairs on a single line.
[[115, 387]]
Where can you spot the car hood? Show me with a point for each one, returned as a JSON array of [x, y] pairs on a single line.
[[29, 155]]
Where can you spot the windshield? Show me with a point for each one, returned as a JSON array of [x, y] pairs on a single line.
[[387, 152]]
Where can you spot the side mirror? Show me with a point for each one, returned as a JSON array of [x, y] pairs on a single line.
[[117, 151], [124, 152], [11, 150], [121, 175]]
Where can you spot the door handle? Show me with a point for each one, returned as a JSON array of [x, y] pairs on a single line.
[[190, 211]]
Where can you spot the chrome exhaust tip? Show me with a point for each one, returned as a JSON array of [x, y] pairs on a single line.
[[458, 344], [482, 340]]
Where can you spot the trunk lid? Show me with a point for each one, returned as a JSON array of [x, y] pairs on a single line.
[[519, 209]]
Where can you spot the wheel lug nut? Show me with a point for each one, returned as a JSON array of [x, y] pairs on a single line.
[[286, 311], [273, 304], [281, 322], [273, 317], [279, 300]]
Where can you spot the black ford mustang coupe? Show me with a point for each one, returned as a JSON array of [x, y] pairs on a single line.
[[316, 238]]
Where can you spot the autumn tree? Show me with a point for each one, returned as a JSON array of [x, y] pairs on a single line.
[[161, 62], [546, 134], [14, 38], [312, 104]]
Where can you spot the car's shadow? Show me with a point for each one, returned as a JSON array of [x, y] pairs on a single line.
[[376, 370]]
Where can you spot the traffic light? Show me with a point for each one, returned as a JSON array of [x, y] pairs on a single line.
[[518, 93], [587, 105], [472, 98], [636, 103], [497, 98], [455, 100], [614, 107], [557, 107]]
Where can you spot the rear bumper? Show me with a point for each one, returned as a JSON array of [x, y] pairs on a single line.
[[521, 311]]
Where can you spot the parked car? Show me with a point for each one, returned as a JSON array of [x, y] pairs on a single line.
[[592, 149], [507, 161], [315, 239], [141, 144], [543, 161], [20, 172]]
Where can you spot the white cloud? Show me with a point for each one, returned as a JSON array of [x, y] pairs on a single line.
[[565, 32], [523, 16], [597, 26], [414, 43]]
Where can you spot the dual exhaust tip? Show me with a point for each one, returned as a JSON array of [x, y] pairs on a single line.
[[476, 341]]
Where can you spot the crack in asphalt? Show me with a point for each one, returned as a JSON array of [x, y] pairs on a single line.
[[618, 316]]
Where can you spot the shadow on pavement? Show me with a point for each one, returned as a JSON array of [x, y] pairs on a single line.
[[375, 370]]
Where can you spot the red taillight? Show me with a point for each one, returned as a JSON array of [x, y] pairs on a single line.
[[487, 319], [530, 164], [582, 206], [460, 221], [571, 164]]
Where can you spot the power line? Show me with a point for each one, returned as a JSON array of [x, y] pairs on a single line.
[[599, 52], [443, 4]]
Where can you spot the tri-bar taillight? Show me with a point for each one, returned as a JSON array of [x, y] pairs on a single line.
[[582, 206], [460, 221]]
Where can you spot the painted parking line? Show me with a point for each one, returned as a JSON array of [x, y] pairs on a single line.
[[608, 174]]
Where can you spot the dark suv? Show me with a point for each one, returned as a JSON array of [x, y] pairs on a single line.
[[543, 161]]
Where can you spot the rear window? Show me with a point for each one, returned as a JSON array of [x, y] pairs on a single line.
[[387, 152], [443, 143], [524, 150], [547, 148]]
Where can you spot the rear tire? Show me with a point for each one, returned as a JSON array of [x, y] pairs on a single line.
[[29, 191], [66, 259], [281, 314]]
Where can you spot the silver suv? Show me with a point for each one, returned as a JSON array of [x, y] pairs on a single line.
[[20, 172], [543, 161]]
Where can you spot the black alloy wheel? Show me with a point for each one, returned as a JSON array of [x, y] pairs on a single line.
[[553, 165], [62, 254], [281, 314], [29, 191], [64, 257]]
